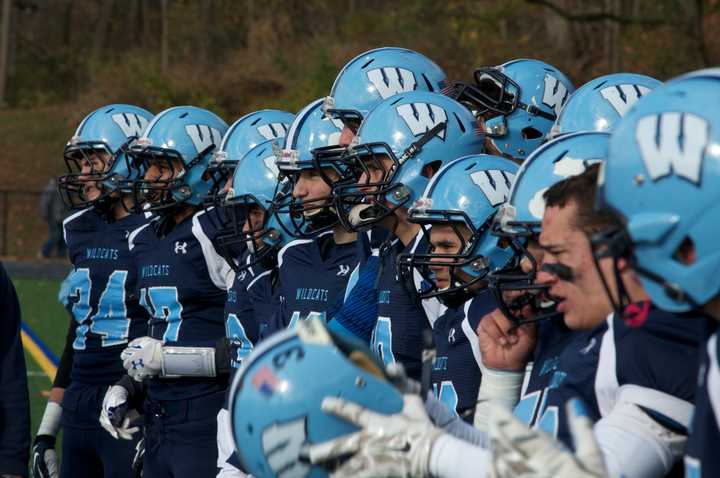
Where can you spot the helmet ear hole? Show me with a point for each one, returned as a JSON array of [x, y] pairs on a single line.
[[531, 133], [685, 253]]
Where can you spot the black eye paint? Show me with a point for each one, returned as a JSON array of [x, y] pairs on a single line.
[[561, 271]]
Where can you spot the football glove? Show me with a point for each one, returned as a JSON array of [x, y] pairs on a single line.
[[143, 358], [116, 415], [137, 463], [519, 451], [386, 445], [44, 458]]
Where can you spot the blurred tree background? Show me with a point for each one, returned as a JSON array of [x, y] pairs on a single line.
[[60, 59]]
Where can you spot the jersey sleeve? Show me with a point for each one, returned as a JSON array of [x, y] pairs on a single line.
[[218, 268], [62, 376]]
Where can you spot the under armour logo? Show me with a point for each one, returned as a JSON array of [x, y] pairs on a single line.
[[242, 275], [203, 136], [273, 130], [390, 81], [622, 97], [451, 336], [494, 183], [180, 247], [281, 444], [344, 270], [673, 143], [136, 364], [130, 123], [422, 117], [555, 94]]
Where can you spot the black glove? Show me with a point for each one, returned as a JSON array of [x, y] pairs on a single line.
[[44, 458]]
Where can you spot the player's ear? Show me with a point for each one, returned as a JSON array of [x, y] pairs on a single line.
[[686, 253]]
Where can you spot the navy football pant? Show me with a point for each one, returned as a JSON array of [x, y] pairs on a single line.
[[181, 437], [88, 451]]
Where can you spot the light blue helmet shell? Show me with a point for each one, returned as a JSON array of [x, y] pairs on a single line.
[[541, 85], [474, 186], [186, 131], [110, 128], [251, 130], [561, 158], [662, 177], [256, 176], [275, 397], [376, 75], [601, 103], [402, 120], [311, 129]]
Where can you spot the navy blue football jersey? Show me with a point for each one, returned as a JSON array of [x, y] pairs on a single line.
[[102, 294], [402, 317], [250, 302], [182, 282], [553, 337], [636, 360], [701, 456], [313, 275], [456, 370]]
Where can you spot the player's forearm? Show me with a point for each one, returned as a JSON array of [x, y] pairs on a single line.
[[197, 361]]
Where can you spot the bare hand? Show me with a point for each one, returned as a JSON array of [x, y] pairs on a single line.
[[501, 348]]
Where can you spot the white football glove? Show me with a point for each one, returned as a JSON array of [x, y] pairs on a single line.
[[518, 451], [116, 416], [396, 446], [143, 358]]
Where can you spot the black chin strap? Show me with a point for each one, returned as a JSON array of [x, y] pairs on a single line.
[[417, 146]]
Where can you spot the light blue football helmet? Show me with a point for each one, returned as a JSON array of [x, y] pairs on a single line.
[[311, 130], [275, 397], [466, 192], [417, 132], [518, 221], [181, 140], [518, 102], [109, 130], [246, 133], [601, 103], [376, 75], [254, 184], [661, 178]]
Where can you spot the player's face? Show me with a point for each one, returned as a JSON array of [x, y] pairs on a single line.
[[375, 170], [346, 136], [569, 270], [312, 190], [158, 170], [444, 240], [254, 222], [93, 163]]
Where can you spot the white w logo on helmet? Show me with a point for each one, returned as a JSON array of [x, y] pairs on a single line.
[[422, 117], [622, 97], [555, 94], [494, 183], [273, 130], [673, 143], [130, 123], [390, 81], [270, 164], [282, 443], [203, 136]]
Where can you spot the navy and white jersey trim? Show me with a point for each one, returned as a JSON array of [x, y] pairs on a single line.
[[218, 268]]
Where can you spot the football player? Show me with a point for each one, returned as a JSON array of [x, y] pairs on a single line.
[[461, 255], [182, 283], [401, 143], [102, 296]]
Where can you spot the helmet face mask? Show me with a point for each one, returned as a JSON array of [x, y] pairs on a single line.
[[84, 175], [166, 190], [466, 267]]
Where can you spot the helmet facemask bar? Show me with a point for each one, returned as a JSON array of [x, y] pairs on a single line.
[[459, 287], [218, 171], [238, 210], [513, 279], [159, 194], [72, 186]]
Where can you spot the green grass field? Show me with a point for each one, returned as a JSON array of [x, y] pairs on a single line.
[[47, 318]]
